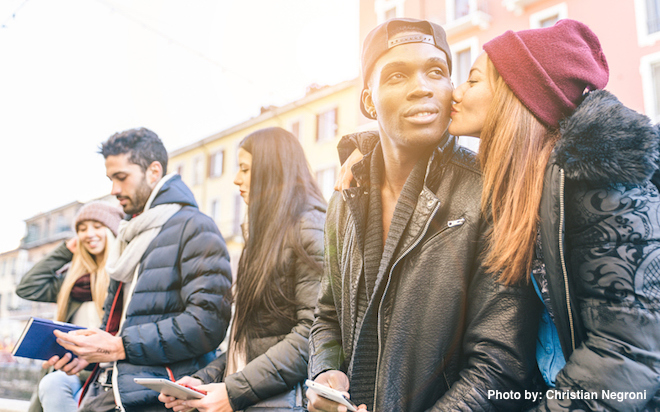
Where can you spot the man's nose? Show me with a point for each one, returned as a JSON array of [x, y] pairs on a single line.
[[116, 189], [420, 87]]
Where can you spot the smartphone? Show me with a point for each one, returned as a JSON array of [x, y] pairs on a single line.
[[170, 388], [331, 394]]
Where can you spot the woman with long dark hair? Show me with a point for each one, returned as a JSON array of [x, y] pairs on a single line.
[[570, 178], [276, 285]]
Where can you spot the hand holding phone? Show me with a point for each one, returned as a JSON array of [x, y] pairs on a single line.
[[331, 394]]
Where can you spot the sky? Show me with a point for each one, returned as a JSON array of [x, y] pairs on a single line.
[[73, 72]]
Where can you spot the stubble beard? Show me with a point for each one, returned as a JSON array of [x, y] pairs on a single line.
[[136, 204]]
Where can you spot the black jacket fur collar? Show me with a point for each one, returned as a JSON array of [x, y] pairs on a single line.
[[605, 141]]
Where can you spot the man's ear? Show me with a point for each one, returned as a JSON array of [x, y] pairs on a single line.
[[368, 103], [154, 173]]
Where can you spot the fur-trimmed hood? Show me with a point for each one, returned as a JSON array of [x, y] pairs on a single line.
[[603, 140]]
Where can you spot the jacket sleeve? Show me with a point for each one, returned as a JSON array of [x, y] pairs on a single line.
[[499, 343], [205, 292], [363, 141], [325, 341], [285, 363], [618, 287], [42, 283]]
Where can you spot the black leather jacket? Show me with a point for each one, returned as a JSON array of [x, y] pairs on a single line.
[[448, 332], [600, 236]]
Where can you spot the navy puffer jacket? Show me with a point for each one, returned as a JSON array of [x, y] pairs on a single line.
[[180, 308]]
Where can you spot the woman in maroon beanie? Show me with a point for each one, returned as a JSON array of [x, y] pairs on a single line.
[[73, 275], [567, 173], [569, 177]]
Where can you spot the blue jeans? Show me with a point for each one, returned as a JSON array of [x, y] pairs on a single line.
[[59, 392]]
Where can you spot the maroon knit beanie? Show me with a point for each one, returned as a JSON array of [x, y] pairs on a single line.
[[549, 69], [101, 212]]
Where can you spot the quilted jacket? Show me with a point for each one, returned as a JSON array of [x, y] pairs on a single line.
[[180, 307]]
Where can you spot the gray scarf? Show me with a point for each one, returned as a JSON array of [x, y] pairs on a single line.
[[135, 235]]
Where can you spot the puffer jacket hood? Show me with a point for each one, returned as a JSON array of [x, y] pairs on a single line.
[[175, 191], [604, 141]]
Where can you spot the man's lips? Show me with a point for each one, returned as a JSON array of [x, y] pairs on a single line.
[[423, 114]]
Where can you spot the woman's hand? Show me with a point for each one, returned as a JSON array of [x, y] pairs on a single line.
[[345, 174], [176, 404], [72, 244], [216, 399]]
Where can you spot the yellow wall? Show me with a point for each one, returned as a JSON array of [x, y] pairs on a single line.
[[321, 155]]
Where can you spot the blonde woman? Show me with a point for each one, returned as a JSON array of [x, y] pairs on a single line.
[[74, 276]]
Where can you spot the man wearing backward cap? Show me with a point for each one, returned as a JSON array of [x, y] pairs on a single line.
[[408, 319]]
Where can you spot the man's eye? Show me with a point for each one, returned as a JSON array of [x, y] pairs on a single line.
[[396, 76], [438, 72]]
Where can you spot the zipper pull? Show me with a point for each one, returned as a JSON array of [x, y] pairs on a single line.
[[456, 222]]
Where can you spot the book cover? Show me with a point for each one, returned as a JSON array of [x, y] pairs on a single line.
[[38, 341]]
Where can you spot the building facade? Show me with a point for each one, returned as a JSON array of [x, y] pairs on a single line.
[[629, 31], [209, 166]]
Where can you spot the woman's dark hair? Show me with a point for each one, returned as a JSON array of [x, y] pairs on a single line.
[[281, 187]]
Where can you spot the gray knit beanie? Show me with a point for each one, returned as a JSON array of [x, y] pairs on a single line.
[[101, 212]]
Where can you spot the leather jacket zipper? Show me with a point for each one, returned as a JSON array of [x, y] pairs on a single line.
[[389, 280], [562, 258]]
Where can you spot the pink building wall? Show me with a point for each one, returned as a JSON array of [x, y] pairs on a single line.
[[613, 21]]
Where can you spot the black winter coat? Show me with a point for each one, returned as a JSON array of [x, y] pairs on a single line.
[[600, 237], [448, 332], [280, 351], [180, 308]]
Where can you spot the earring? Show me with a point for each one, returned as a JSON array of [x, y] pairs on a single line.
[[373, 114]]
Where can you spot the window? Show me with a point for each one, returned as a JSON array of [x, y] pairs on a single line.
[[326, 181], [326, 125], [388, 9], [214, 210], [179, 169], [647, 13], [61, 224], [33, 233], [464, 54], [198, 170], [548, 17], [461, 8], [217, 163], [294, 128], [653, 16], [650, 70]]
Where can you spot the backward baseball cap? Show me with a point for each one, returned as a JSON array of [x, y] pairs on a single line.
[[378, 42]]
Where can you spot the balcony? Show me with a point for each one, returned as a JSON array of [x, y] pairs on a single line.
[[463, 15], [517, 6]]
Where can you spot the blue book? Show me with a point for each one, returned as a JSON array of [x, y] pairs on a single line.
[[38, 341]]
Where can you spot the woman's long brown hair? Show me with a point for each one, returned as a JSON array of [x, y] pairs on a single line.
[[281, 187], [514, 151]]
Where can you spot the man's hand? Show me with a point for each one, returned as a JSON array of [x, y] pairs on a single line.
[[345, 174], [92, 345], [66, 364], [335, 380], [216, 399]]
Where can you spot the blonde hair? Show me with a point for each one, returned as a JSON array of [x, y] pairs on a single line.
[[83, 263], [514, 151]]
